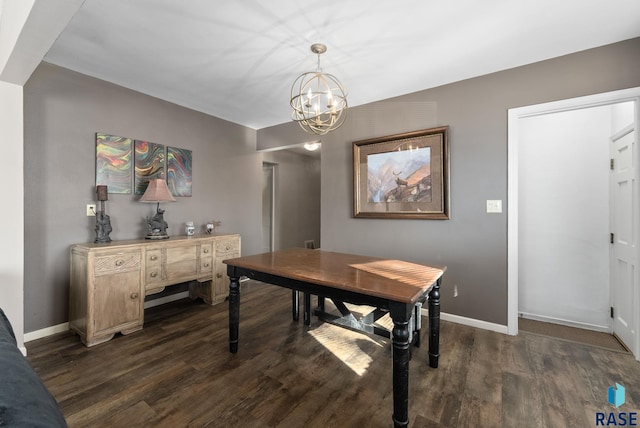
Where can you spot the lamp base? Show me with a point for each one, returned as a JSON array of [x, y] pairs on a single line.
[[103, 228], [157, 226], [157, 236]]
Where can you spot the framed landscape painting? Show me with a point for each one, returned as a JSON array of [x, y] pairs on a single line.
[[402, 176]]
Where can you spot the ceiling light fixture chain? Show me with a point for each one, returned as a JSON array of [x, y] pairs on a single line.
[[318, 99], [318, 49]]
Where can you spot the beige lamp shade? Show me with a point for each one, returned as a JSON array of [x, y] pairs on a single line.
[[157, 191]]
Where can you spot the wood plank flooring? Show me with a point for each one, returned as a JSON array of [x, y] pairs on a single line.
[[178, 372]]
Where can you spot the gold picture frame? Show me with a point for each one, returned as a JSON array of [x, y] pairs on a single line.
[[402, 176]]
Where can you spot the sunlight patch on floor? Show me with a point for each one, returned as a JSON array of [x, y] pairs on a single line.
[[350, 347]]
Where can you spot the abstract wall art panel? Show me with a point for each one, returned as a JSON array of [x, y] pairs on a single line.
[[149, 164], [179, 171], [113, 162]]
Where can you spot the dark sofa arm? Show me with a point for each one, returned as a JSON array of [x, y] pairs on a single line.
[[24, 400]]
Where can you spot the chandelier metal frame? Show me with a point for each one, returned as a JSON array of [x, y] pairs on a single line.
[[318, 99]]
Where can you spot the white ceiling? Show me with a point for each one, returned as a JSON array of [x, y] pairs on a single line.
[[237, 59]]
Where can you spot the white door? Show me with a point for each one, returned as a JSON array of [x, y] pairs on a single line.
[[623, 248]]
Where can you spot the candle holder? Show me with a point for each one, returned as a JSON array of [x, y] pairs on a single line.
[[103, 221], [211, 227]]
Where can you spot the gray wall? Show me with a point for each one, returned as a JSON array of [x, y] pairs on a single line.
[[63, 110], [473, 244]]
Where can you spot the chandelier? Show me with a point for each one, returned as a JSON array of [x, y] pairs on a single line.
[[318, 99]]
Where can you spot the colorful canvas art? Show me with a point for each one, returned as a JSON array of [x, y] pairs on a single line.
[[179, 171], [113, 162], [149, 164]]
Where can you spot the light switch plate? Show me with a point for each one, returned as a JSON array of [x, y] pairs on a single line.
[[91, 210], [494, 206]]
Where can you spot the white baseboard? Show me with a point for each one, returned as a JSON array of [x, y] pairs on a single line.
[[471, 322], [60, 328], [568, 323], [173, 297], [48, 331], [166, 299]]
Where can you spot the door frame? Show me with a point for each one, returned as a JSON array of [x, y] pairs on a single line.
[[514, 116], [272, 166]]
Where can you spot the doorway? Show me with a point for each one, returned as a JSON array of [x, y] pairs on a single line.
[[291, 198], [557, 238]]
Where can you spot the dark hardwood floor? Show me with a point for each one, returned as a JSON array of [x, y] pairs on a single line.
[[178, 372]]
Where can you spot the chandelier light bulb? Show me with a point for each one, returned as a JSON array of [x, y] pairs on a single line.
[[329, 100], [309, 98]]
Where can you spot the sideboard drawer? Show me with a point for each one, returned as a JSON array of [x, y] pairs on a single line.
[[182, 253], [154, 257], [226, 246], [206, 250], [153, 268], [152, 275], [181, 262], [206, 265], [121, 262]]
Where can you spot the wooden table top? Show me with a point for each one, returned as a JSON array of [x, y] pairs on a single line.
[[394, 280]]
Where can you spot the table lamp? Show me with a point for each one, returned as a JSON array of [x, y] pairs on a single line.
[[103, 222], [157, 191]]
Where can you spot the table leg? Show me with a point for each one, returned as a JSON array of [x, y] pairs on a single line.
[[234, 313], [434, 324], [295, 305], [400, 314], [307, 309], [418, 324]]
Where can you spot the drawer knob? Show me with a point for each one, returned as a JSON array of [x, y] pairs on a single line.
[[153, 274], [206, 250], [134, 296], [219, 275], [227, 247], [154, 257], [206, 265], [119, 262]]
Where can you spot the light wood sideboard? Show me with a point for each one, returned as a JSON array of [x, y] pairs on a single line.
[[109, 281]]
